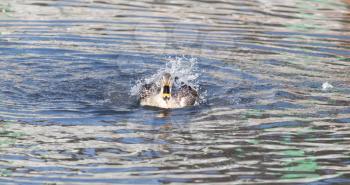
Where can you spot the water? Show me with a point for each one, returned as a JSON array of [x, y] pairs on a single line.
[[68, 69]]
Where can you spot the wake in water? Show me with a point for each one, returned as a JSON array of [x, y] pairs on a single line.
[[184, 72]]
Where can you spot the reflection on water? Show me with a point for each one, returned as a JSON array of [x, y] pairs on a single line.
[[68, 67]]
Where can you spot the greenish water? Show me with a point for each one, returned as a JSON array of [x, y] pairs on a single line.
[[273, 78]]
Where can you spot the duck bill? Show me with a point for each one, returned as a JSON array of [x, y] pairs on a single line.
[[166, 92]]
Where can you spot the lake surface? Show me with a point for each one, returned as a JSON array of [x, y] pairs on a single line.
[[274, 79]]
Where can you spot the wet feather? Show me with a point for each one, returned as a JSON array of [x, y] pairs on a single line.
[[151, 95]]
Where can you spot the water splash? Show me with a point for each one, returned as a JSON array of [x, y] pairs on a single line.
[[185, 69], [327, 86]]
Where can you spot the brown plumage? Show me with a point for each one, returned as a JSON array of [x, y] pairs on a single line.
[[166, 96]]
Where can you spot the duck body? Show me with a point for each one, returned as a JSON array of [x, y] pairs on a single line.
[[158, 101], [166, 96]]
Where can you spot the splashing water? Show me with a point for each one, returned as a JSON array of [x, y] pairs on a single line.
[[184, 69]]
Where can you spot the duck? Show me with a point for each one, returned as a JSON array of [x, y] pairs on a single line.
[[166, 95]]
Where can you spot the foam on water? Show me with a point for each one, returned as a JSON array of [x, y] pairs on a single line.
[[327, 86], [185, 69]]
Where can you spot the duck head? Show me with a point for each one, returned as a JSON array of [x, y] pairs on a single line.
[[166, 86]]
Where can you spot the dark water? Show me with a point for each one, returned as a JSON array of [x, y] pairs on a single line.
[[68, 117]]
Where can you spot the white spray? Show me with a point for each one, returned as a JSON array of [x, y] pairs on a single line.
[[185, 69]]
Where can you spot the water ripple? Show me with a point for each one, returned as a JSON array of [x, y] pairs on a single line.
[[67, 115]]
